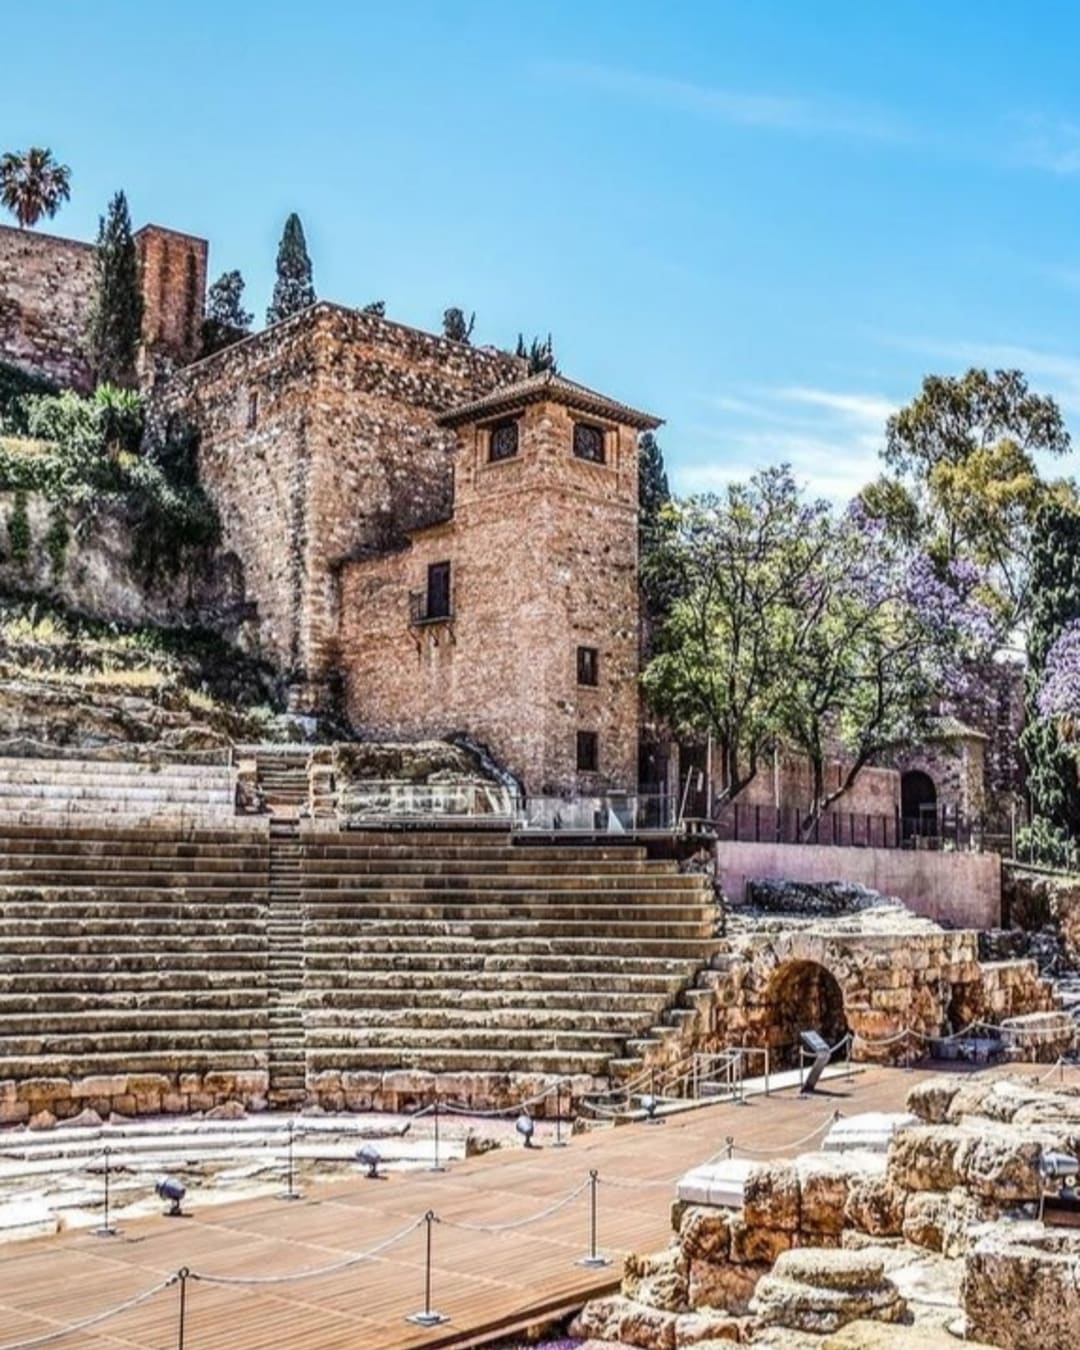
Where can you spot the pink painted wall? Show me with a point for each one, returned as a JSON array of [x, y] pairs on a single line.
[[960, 890]]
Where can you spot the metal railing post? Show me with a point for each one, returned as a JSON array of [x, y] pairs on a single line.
[[429, 1317], [182, 1274], [593, 1260]]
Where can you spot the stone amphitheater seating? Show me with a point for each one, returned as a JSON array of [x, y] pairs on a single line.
[[465, 953], [54, 790], [170, 967], [128, 952]]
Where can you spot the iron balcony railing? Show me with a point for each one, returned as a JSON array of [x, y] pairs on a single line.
[[427, 609]]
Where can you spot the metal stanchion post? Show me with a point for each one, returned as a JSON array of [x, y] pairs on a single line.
[[107, 1229], [560, 1142], [182, 1274], [290, 1193], [729, 1143], [847, 1070], [593, 1260], [436, 1165], [429, 1317]]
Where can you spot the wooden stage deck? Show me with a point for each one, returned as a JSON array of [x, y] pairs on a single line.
[[481, 1280]]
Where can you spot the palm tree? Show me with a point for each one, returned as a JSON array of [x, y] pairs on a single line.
[[33, 185]]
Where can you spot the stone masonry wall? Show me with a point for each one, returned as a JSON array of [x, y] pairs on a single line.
[[45, 289], [47, 286], [962, 890], [543, 559], [319, 444], [173, 271]]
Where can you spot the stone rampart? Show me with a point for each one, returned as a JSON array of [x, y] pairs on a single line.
[[45, 288]]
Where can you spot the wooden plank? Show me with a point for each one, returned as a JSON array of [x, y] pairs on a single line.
[[481, 1279]]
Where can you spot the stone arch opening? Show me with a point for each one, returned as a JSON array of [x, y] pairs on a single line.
[[918, 804], [802, 996]]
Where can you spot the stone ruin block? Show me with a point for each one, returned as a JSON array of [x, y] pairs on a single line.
[[1021, 1287], [818, 1291]]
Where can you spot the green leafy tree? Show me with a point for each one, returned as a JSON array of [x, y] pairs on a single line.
[[227, 321], [964, 478], [795, 625], [293, 289], [376, 307], [33, 185], [456, 327], [1055, 590], [116, 310], [735, 564]]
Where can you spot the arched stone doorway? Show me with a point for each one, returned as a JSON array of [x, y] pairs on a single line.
[[802, 996], [918, 804]]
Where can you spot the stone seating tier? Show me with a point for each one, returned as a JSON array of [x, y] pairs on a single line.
[[114, 788], [443, 957]]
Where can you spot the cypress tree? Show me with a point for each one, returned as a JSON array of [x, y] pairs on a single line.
[[116, 311], [653, 495], [1055, 602], [293, 290]]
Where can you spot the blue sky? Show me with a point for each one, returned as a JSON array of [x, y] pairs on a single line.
[[763, 221]]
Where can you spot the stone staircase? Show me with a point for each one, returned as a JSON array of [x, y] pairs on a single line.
[[463, 953], [283, 777], [285, 944]]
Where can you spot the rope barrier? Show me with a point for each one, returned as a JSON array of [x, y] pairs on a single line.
[[833, 1117], [311, 1273], [517, 1223], [95, 1320], [457, 1109]]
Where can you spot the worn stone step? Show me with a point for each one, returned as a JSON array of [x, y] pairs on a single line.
[[467, 1038], [86, 1063], [160, 1021], [670, 918], [488, 1023], [467, 957], [158, 1002], [527, 938], [468, 997], [374, 987], [165, 1040], [451, 1060]]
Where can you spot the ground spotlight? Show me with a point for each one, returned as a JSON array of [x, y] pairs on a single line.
[[525, 1126], [649, 1105], [168, 1188], [370, 1157]]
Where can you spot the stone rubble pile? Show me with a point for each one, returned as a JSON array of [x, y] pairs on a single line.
[[863, 1249]]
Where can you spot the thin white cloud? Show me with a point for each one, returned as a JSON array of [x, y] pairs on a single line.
[[856, 407], [831, 438], [1055, 373], [776, 112]]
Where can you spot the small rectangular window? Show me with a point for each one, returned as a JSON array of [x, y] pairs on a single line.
[[438, 591], [503, 440], [253, 410], [587, 752], [589, 442], [588, 666]]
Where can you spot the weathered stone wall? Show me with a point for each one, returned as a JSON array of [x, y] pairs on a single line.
[[173, 271], [962, 890], [543, 554], [320, 444], [45, 288], [957, 768]]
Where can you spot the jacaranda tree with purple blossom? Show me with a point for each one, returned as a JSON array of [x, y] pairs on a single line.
[[799, 626], [884, 631]]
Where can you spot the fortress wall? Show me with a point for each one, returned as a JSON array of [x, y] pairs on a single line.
[[319, 444], [45, 289]]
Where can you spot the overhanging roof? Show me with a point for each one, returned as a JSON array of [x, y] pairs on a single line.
[[549, 387]]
